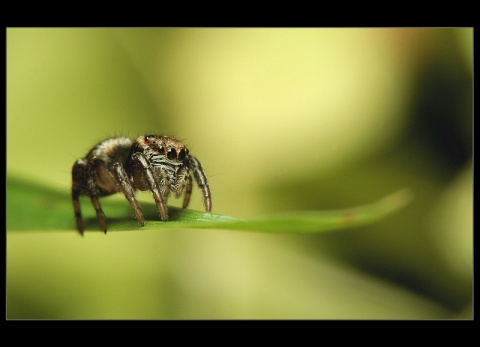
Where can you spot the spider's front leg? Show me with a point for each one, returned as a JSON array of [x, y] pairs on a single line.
[[201, 180], [128, 191], [188, 190], [153, 185]]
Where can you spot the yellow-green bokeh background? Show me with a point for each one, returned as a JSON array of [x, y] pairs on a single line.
[[282, 119]]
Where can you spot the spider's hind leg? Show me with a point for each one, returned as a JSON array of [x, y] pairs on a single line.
[[78, 182], [94, 193]]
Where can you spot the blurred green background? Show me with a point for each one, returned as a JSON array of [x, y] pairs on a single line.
[[281, 119]]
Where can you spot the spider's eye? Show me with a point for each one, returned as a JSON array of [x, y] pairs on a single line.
[[172, 153], [182, 154], [149, 137]]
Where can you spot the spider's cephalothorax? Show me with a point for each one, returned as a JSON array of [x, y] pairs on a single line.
[[157, 163]]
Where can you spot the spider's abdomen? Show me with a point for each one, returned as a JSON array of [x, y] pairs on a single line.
[[111, 151]]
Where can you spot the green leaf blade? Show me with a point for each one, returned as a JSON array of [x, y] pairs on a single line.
[[31, 206]]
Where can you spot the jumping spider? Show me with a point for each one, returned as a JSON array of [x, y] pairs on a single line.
[[157, 163]]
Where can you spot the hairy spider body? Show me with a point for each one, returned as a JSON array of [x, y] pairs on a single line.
[[161, 164]]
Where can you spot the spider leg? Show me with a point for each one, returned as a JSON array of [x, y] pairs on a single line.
[[188, 190], [128, 191], [78, 179], [102, 220], [152, 184], [77, 210], [202, 182], [94, 193]]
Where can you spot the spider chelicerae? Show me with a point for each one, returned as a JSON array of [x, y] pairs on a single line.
[[161, 164]]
